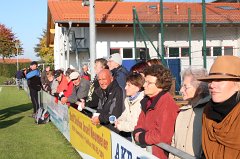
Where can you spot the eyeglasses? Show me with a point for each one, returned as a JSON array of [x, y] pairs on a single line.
[[185, 87], [148, 83]]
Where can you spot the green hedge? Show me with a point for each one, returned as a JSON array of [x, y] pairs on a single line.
[[9, 70]]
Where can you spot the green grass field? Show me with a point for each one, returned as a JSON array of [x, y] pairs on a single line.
[[21, 138]]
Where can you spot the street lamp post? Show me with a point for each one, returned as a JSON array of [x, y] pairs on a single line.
[[17, 47]]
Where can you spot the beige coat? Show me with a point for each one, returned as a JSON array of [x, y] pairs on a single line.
[[188, 128], [128, 119]]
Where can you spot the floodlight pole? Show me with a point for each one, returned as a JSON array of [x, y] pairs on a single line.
[[204, 33], [92, 30], [161, 50]]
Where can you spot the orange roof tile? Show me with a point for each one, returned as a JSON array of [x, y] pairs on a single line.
[[121, 12], [20, 60]]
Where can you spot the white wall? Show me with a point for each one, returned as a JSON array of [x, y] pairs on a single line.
[[113, 37]]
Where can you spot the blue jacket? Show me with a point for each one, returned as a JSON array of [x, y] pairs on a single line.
[[33, 80], [120, 74]]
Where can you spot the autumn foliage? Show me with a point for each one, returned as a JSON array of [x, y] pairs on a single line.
[[7, 43]]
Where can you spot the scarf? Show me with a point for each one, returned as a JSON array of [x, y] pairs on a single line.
[[221, 140], [220, 110]]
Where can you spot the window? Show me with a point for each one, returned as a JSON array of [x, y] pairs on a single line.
[[227, 7], [142, 53], [185, 52], [228, 50], [127, 53], [173, 52], [114, 50], [217, 51], [208, 51]]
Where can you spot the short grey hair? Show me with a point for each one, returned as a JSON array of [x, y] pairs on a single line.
[[202, 87]]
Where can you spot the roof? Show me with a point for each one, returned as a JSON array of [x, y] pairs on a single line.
[[20, 60], [121, 12]]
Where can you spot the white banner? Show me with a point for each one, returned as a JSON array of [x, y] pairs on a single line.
[[124, 149]]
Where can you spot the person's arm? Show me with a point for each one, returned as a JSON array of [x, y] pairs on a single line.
[[139, 127], [73, 97], [32, 74], [164, 128], [127, 125]]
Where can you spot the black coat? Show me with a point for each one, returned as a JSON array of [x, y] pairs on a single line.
[[111, 102]]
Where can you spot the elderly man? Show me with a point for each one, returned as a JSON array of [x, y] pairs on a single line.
[[159, 111], [92, 100], [85, 73], [111, 98], [118, 71], [80, 91]]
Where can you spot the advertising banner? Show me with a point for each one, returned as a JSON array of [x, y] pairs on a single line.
[[124, 149], [92, 140], [58, 114]]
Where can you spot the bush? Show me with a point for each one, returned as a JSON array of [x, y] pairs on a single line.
[[9, 70]]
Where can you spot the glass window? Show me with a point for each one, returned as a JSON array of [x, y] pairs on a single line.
[[208, 51], [184, 52], [173, 52], [142, 53], [228, 50], [127, 53], [217, 51], [114, 50]]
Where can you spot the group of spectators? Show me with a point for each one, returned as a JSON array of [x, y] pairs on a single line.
[[146, 112]]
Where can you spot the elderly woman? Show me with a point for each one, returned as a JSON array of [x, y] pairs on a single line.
[[158, 111], [188, 127], [221, 116], [128, 120]]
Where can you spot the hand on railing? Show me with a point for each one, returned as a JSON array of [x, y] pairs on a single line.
[[64, 100], [81, 104], [95, 118]]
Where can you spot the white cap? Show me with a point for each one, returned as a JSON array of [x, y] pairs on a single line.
[[116, 58], [74, 75]]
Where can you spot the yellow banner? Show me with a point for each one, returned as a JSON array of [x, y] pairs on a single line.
[[88, 138]]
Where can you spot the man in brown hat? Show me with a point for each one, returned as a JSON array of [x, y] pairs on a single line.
[[221, 116]]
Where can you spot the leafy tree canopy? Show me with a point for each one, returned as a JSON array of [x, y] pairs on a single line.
[[42, 51], [7, 43]]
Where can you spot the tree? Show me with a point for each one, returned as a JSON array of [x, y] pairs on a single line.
[[7, 43], [44, 52]]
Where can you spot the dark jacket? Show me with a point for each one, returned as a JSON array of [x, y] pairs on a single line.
[[120, 74], [33, 80], [19, 74], [93, 99], [156, 123], [111, 102], [44, 78]]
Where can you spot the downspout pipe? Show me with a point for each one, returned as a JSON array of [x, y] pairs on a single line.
[[68, 32]]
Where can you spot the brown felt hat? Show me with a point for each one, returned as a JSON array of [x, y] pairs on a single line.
[[224, 67]]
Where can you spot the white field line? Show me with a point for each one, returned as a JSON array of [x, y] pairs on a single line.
[[0, 89]]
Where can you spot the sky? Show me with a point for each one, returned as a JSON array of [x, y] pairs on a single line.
[[28, 19]]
